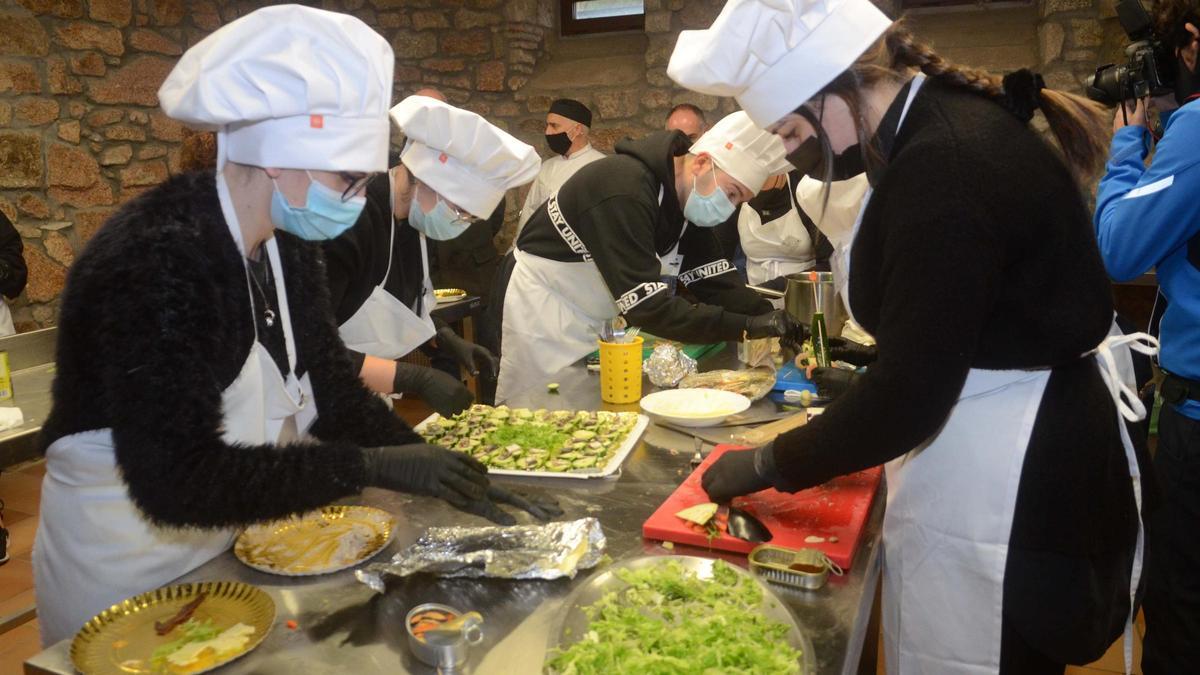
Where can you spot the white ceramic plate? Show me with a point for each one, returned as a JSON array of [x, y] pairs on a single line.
[[694, 407]]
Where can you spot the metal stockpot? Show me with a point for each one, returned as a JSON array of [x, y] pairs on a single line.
[[809, 292]]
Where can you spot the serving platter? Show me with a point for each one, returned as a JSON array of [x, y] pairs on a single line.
[[331, 539], [609, 469], [122, 639], [574, 621]]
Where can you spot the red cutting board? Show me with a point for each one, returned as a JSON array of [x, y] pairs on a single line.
[[838, 509]]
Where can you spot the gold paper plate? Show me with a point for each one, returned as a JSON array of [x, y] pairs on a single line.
[[121, 638], [449, 294], [306, 545]]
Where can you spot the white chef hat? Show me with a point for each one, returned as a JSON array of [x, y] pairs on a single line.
[[744, 151], [773, 55], [289, 87], [462, 156]]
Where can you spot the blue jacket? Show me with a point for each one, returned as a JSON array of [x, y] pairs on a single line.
[[1145, 218]]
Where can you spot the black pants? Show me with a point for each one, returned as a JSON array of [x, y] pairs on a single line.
[[1172, 604]]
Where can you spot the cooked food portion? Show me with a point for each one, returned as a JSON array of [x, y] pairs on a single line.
[[185, 613], [328, 540], [202, 645], [753, 383], [669, 620], [534, 440], [428, 620]]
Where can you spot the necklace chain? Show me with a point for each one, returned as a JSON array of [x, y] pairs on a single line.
[[268, 313]]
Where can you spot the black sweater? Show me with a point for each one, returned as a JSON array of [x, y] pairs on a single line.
[[13, 272], [156, 323], [358, 259], [613, 216], [976, 251]]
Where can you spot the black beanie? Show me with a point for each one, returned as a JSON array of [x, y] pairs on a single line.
[[572, 110]]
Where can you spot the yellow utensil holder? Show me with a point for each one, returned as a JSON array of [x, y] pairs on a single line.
[[621, 371]]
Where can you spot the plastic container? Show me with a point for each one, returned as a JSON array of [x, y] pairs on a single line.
[[621, 371]]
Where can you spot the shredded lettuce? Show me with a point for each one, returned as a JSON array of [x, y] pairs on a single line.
[[192, 631], [668, 622], [529, 436]]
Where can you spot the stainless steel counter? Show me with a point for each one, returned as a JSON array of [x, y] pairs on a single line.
[[31, 359], [343, 627]]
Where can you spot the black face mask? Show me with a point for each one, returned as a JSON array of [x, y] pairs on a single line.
[[559, 143], [809, 159], [1187, 84]]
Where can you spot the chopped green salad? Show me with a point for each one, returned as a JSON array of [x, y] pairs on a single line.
[[668, 621], [533, 440]]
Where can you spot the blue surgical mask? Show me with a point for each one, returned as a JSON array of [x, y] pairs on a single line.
[[441, 224], [708, 210], [323, 216]]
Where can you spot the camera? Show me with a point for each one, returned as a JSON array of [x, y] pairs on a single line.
[[1150, 66]]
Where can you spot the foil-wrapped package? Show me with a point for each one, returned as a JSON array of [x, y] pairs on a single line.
[[545, 551], [668, 365]]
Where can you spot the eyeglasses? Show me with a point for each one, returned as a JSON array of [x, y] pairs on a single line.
[[356, 183], [461, 217]]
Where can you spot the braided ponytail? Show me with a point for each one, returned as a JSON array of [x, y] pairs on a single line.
[[1077, 123], [908, 53]]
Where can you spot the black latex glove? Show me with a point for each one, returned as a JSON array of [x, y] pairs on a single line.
[[542, 509], [833, 382], [780, 324], [841, 349], [443, 393], [461, 481], [469, 355], [423, 469], [735, 473]]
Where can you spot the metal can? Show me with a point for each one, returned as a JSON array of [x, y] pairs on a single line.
[[6, 389]]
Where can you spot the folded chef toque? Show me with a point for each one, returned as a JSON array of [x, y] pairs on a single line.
[[462, 156], [743, 150], [773, 55], [289, 87]]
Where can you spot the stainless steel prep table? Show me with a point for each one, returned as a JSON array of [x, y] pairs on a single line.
[[346, 628]]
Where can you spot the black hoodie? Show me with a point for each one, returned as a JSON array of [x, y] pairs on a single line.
[[622, 213]]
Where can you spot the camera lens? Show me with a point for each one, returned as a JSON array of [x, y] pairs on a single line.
[[1109, 85]]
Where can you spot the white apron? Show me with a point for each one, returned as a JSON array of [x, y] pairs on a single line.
[[94, 548], [775, 248], [553, 315], [6, 320], [950, 509], [836, 219], [383, 326]]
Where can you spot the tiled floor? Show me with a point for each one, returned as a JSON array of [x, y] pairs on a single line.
[[20, 487]]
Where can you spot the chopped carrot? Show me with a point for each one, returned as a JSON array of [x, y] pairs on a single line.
[[292, 625]]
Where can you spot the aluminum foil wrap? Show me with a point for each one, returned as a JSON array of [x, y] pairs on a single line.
[[668, 365], [545, 551]]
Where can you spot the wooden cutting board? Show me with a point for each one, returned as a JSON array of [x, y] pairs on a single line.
[[837, 509]]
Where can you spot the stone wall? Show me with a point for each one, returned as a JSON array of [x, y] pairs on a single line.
[[80, 131], [1076, 36]]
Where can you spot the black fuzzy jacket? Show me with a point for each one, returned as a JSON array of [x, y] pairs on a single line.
[[156, 323], [976, 251], [13, 273], [612, 213]]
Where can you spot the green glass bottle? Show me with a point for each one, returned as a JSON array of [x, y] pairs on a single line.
[[820, 340]]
